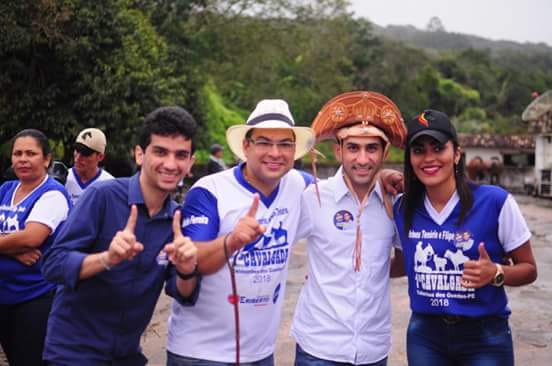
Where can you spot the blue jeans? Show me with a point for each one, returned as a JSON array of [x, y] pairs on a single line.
[[435, 341], [176, 360], [303, 358]]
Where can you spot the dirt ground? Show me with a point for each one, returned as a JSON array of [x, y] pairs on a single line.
[[531, 319]]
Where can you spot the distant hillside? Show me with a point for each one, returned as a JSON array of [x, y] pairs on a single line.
[[442, 40]]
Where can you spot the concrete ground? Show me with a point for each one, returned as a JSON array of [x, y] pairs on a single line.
[[531, 319]]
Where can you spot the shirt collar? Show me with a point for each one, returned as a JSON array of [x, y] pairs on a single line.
[[340, 189], [135, 197], [266, 200], [441, 217]]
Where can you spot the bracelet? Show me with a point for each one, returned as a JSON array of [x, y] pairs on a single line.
[[104, 262], [188, 276]]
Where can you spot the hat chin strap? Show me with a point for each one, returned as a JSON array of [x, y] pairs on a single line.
[[362, 129], [361, 202]]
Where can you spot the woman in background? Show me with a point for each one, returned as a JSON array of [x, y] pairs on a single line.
[[32, 209], [454, 235]]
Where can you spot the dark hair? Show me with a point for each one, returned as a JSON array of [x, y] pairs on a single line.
[[167, 121], [215, 148], [39, 137], [414, 190]]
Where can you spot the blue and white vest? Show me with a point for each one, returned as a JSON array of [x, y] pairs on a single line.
[[18, 282]]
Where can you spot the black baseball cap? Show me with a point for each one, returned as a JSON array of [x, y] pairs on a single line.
[[431, 123]]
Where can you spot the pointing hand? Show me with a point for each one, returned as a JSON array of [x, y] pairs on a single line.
[[124, 245], [182, 252], [247, 229]]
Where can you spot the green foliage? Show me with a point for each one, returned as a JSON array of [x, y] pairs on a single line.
[[455, 97], [101, 65], [218, 115], [395, 155]]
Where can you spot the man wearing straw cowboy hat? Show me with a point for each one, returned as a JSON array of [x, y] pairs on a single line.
[[243, 221], [343, 314]]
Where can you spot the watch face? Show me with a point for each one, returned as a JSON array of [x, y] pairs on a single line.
[[499, 279]]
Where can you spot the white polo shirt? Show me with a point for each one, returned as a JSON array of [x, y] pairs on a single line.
[[213, 207], [343, 315], [75, 187]]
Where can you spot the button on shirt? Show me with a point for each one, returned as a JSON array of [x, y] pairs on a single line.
[[343, 315], [99, 320]]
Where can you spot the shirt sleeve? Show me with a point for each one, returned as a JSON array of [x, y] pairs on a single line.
[[307, 177], [76, 239], [396, 238], [50, 209], [305, 222], [201, 220], [512, 228], [172, 290]]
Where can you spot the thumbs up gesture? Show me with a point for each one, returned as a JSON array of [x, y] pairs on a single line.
[[124, 245], [247, 229], [182, 252], [479, 273]]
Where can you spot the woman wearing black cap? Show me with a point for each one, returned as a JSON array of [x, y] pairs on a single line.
[[454, 235]]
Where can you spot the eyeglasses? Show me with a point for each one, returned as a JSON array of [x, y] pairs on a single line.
[[266, 145]]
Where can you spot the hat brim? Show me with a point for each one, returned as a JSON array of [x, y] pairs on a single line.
[[437, 135], [304, 137], [79, 146], [359, 130]]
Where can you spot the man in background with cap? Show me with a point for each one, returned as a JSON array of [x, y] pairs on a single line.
[[243, 221], [343, 315], [216, 163], [88, 153]]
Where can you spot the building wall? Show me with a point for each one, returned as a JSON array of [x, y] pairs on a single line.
[[483, 153], [543, 152]]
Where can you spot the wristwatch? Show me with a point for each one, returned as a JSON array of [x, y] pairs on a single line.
[[498, 279]]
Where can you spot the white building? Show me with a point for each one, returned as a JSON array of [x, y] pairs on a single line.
[[539, 116], [505, 160]]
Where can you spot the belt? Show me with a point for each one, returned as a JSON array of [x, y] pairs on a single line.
[[454, 319]]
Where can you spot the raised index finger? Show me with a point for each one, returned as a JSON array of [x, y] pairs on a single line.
[[252, 212], [177, 226], [132, 218]]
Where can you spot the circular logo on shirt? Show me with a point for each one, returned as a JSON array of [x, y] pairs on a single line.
[[276, 294], [343, 219], [464, 240]]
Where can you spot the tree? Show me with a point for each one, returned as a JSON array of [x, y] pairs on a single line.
[[97, 64], [435, 25]]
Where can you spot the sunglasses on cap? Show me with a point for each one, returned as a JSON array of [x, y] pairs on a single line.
[[83, 150]]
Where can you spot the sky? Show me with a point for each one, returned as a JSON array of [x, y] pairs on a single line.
[[515, 20]]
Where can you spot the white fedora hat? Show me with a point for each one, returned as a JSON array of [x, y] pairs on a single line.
[[270, 113]]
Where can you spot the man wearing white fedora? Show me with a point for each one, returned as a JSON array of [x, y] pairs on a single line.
[[244, 221]]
